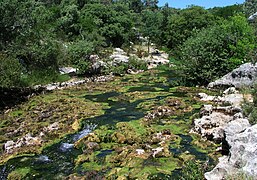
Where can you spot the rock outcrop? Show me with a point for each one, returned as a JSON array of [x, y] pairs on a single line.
[[245, 75], [243, 153], [156, 58], [74, 82], [215, 118], [27, 140], [118, 57], [226, 124], [68, 70], [253, 17]]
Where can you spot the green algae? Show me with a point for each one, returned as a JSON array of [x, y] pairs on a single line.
[[145, 92], [19, 174]]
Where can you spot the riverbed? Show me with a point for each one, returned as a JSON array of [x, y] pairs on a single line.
[[107, 130]]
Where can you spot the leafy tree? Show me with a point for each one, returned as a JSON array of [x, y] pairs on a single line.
[[250, 7], [216, 50], [136, 6], [152, 22], [112, 22], [15, 20], [151, 4], [182, 25], [10, 71], [227, 11], [78, 54]]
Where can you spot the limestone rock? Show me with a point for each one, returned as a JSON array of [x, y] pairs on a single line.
[[245, 75], [243, 156], [27, 140], [253, 17], [68, 70]]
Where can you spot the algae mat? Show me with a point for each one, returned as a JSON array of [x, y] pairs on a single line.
[[135, 127]]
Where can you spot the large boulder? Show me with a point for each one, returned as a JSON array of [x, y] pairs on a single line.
[[119, 56], [245, 75], [68, 70], [242, 158], [214, 119], [253, 17]]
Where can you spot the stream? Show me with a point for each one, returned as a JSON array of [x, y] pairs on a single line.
[[58, 160]]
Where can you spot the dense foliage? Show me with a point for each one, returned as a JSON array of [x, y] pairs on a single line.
[[216, 50], [43, 35]]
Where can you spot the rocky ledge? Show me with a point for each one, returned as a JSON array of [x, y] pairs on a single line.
[[74, 82], [222, 121], [244, 75]]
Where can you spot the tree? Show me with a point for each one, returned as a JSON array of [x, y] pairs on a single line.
[[15, 20], [10, 71], [182, 25], [216, 50], [136, 6], [227, 11], [112, 22], [152, 21], [250, 7], [151, 4]]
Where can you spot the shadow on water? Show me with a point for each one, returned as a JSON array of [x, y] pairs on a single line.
[[186, 146], [58, 160], [119, 111], [55, 162]]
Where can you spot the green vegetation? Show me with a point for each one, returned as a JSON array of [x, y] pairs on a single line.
[[192, 171], [216, 51], [18, 174], [10, 71], [42, 35], [136, 113]]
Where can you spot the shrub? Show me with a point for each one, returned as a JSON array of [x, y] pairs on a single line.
[[135, 63], [43, 76], [192, 171], [78, 55], [215, 51], [10, 71], [39, 55]]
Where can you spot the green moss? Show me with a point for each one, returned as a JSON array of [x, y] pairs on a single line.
[[167, 165], [175, 129], [138, 127], [17, 113], [92, 166], [19, 174]]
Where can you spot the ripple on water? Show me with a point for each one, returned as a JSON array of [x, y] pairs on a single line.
[[66, 147], [88, 129], [44, 158]]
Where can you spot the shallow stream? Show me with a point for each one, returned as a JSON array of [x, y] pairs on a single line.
[[128, 104]]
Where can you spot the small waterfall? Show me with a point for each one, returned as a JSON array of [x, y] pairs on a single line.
[[89, 128], [66, 147], [44, 158]]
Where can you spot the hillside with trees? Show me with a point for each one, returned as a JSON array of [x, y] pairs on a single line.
[[38, 37], [142, 95]]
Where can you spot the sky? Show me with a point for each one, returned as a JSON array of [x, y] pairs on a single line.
[[203, 3]]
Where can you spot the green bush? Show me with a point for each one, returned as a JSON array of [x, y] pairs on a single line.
[[192, 171], [216, 50], [122, 68], [135, 63], [10, 71], [44, 76], [78, 55]]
